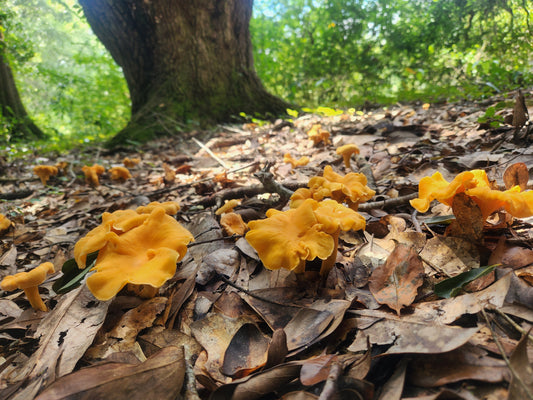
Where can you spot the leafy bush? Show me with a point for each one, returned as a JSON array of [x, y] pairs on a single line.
[[353, 51]]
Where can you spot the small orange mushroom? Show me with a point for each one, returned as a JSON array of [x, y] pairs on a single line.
[[287, 159], [131, 162], [144, 252], [474, 184], [92, 174], [44, 172], [287, 239], [228, 206], [29, 282], [233, 224], [346, 152], [5, 223], [334, 217], [318, 135], [119, 173], [350, 188]]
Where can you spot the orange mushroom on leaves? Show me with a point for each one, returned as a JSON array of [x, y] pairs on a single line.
[[92, 174], [334, 218], [233, 224], [119, 173], [346, 152], [44, 172], [5, 223], [227, 207], [287, 159], [145, 253], [29, 282], [287, 239], [318, 135], [474, 184]]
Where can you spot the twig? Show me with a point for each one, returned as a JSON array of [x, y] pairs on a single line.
[[397, 201], [514, 324], [505, 358], [255, 296], [416, 224], [330, 387], [19, 194], [203, 146]]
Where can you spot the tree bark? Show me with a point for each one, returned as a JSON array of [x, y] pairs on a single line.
[[183, 61], [12, 112]]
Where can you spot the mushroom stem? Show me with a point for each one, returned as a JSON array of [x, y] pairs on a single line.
[[329, 262], [300, 269], [346, 159], [32, 293]]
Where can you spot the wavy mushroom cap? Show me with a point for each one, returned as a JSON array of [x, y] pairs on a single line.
[[334, 216], [5, 223], [285, 238], [144, 255], [346, 152], [130, 162], [287, 159], [92, 173], [228, 206], [44, 172], [233, 224], [119, 173]]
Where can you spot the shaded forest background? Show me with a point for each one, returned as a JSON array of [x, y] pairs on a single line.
[[312, 53]]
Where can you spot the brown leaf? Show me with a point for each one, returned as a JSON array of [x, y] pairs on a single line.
[[277, 349], [468, 223], [510, 255], [396, 282], [522, 380], [306, 326], [316, 369], [516, 174], [65, 333], [246, 352], [412, 337], [159, 377], [463, 363]]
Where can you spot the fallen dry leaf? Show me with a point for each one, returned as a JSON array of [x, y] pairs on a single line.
[[516, 174], [522, 378], [159, 377], [397, 281]]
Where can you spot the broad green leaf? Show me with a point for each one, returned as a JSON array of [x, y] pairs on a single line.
[[451, 287]]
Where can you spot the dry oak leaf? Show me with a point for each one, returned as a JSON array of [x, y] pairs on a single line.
[[396, 282], [516, 174]]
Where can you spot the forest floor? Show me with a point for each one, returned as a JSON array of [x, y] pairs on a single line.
[[224, 327]]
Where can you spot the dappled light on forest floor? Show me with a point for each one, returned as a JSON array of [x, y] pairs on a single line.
[[411, 304]]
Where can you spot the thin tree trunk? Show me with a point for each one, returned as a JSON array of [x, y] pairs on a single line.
[[12, 112]]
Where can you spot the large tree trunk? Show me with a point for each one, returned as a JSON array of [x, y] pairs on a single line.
[[12, 111], [183, 61]]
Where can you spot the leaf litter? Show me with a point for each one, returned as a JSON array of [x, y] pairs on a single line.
[[417, 306]]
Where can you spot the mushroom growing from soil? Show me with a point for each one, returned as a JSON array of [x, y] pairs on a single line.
[[119, 173], [141, 249], [227, 207], [29, 282], [131, 162], [287, 159], [346, 152], [318, 135], [474, 184], [5, 223], [92, 174], [334, 218], [233, 224], [286, 239], [44, 172]]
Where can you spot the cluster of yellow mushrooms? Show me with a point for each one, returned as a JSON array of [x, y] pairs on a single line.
[[142, 247]]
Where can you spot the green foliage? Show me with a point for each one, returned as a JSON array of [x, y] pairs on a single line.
[[452, 287], [68, 82], [348, 52], [491, 118]]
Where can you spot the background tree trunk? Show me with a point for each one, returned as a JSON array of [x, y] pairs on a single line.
[[12, 111], [183, 61]]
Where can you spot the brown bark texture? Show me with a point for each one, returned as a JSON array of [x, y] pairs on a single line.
[[183, 61], [12, 112]]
